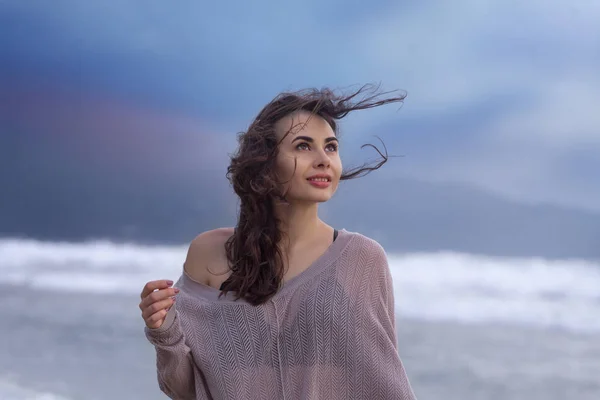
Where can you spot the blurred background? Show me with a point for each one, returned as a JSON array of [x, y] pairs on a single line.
[[117, 119]]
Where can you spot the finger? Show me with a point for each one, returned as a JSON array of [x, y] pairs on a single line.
[[155, 318], [158, 295], [155, 307], [153, 285]]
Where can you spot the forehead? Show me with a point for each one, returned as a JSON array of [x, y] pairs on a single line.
[[303, 123]]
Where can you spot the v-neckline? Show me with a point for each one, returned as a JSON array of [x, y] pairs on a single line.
[[335, 235], [330, 254]]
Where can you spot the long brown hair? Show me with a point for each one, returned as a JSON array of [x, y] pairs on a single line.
[[253, 252]]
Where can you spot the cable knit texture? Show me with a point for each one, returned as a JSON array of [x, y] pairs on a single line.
[[329, 333]]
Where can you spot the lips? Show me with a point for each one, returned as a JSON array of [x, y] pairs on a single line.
[[320, 181], [319, 178]]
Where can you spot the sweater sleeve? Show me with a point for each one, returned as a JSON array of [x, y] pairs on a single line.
[[175, 370], [382, 296], [385, 360]]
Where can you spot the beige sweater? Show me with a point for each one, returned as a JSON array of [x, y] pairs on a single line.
[[329, 333]]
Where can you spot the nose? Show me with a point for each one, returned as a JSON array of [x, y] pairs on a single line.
[[321, 159]]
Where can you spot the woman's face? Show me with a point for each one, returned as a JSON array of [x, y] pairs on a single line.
[[308, 161]]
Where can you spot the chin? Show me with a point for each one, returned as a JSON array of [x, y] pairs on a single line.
[[309, 198], [311, 195], [319, 198], [322, 200]]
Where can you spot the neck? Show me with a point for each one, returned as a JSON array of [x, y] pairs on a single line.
[[298, 222]]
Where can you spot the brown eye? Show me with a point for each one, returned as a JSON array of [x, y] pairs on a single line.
[[332, 147], [303, 146]]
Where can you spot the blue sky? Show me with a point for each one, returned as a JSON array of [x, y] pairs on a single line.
[[502, 95]]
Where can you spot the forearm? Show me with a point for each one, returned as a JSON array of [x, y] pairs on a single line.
[[175, 369]]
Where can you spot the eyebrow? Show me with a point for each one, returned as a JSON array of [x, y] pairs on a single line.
[[311, 140]]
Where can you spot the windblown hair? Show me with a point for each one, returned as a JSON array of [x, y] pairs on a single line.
[[253, 252]]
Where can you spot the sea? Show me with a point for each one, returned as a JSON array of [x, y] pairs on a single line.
[[469, 326]]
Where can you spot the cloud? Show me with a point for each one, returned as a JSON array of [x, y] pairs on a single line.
[[94, 131], [536, 61], [501, 95], [563, 116], [451, 54]]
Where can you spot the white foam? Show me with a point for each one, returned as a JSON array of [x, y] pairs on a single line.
[[90, 267], [433, 286], [454, 286], [10, 390]]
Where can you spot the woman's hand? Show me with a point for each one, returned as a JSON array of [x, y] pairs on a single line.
[[157, 298]]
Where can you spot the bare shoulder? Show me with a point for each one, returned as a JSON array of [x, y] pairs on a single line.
[[206, 252]]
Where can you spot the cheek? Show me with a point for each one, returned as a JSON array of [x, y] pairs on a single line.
[[285, 167], [337, 167]]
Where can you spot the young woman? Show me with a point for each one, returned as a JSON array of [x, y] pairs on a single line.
[[283, 306]]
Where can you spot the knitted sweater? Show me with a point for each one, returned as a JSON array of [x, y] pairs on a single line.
[[328, 333]]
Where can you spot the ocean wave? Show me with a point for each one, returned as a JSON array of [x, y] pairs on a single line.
[[432, 286], [474, 288], [10, 390]]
